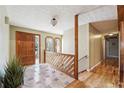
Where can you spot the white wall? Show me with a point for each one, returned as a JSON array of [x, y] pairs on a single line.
[[95, 47], [83, 40], [83, 47], [4, 38], [83, 44], [68, 42]]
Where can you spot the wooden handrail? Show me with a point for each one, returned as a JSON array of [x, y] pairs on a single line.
[[83, 58], [60, 61], [61, 53]]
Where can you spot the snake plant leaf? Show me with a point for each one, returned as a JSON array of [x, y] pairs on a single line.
[[14, 73]]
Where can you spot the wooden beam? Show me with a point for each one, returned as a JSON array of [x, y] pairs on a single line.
[[76, 48], [44, 56], [120, 9], [121, 51]]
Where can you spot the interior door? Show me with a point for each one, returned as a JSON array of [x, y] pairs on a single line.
[[25, 48], [112, 47]]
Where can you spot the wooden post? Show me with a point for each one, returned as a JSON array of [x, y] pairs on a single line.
[[76, 48], [121, 71], [44, 56], [120, 11]]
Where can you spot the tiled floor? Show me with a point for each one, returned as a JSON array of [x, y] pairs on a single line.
[[44, 76]]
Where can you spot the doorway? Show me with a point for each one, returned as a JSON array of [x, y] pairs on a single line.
[[112, 46], [37, 49], [28, 48], [112, 50]]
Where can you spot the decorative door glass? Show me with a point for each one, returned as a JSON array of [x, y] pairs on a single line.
[[49, 44], [58, 45]]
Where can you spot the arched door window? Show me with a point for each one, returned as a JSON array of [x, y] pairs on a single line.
[[57, 45], [49, 42]]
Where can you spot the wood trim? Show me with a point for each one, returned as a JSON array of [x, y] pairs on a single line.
[[44, 56], [61, 53], [27, 32], [122, 52], [105, 49], [39, 47], [76, 48], [120, 10]]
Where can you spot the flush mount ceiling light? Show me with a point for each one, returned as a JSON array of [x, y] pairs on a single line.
[[53, 21], [110, 34]]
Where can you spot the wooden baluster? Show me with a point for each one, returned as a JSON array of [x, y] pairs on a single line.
[[62, 62]]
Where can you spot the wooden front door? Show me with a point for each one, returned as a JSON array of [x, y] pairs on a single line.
[[25, 48]]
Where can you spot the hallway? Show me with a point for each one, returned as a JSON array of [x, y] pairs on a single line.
[[104, 75]]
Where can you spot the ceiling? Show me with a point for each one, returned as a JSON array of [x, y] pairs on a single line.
[[106, 26], [38, 17]]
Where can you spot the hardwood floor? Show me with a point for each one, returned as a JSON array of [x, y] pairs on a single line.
[[76, 84], [103, 76]]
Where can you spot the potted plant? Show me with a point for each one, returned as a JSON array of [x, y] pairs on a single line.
[[14, 74], [1, 80]]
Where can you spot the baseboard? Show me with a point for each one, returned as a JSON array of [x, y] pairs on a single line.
[[94, 66]]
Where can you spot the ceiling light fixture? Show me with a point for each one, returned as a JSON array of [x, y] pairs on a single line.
[[110, 34], [53, 21]]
